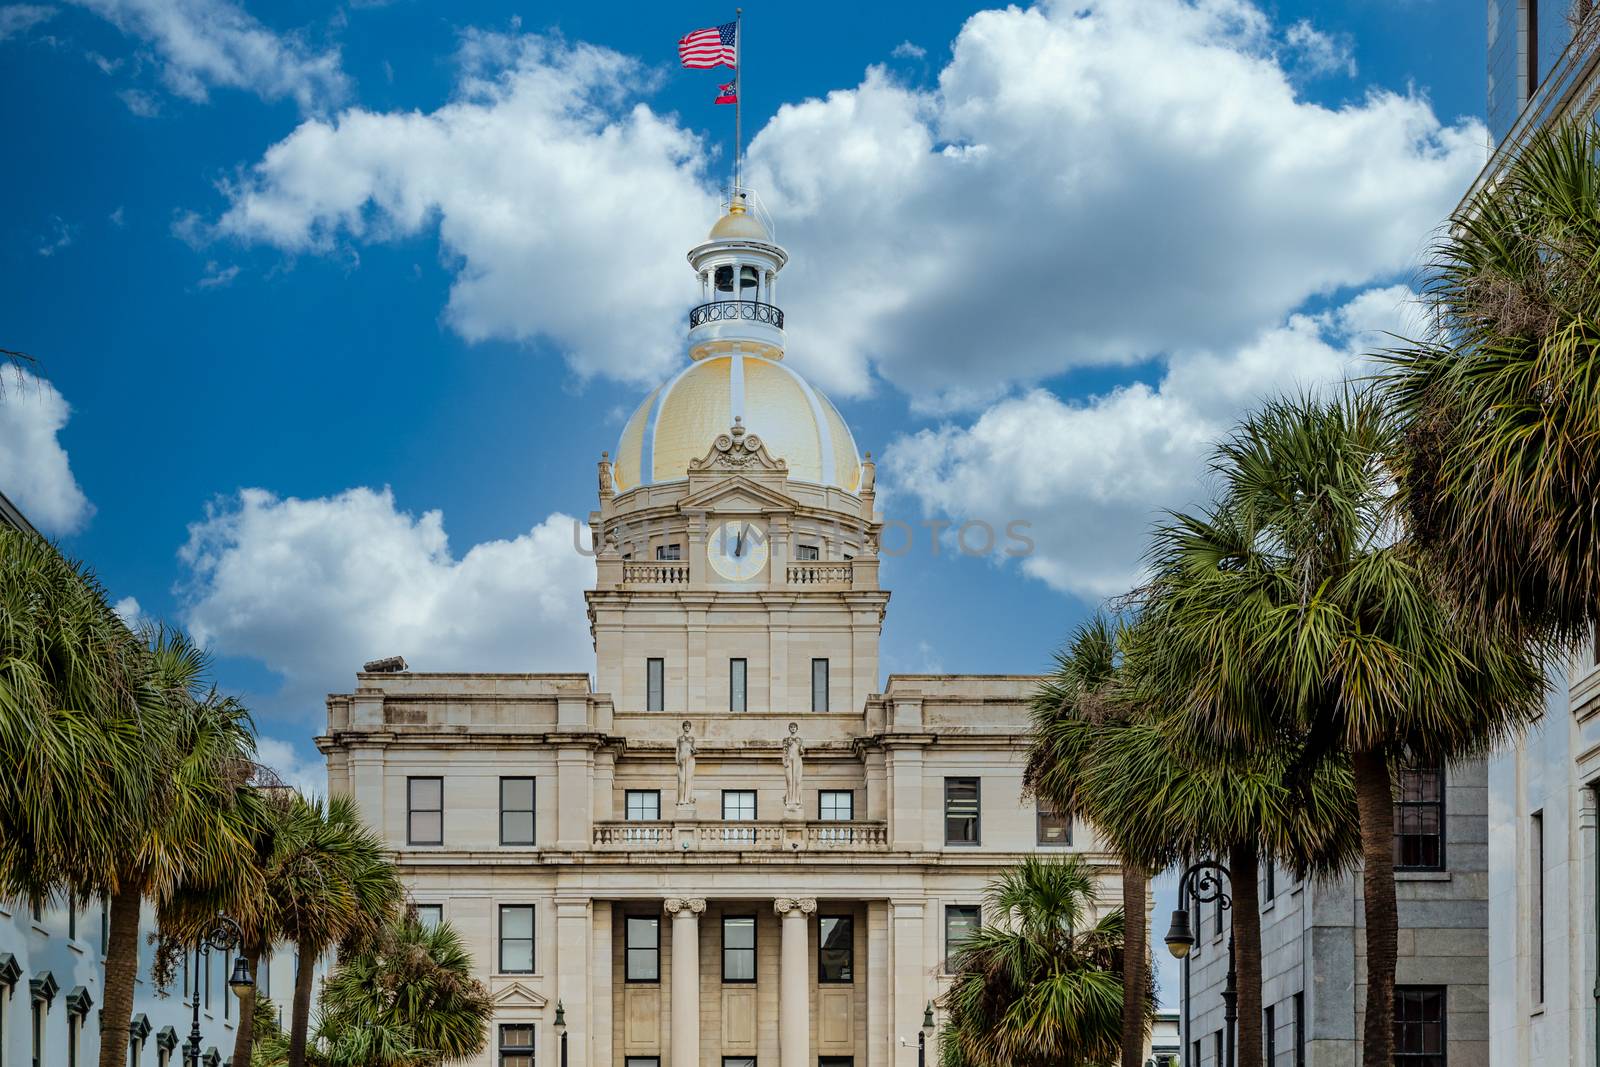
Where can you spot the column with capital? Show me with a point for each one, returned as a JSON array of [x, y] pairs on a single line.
[[794, 987], [685, 1043]]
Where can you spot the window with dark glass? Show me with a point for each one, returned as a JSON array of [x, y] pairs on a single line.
[[516, 939], [1536, 911], [738, 670], [738, 1061], [429, 916], [1053, 828], [641, 939], [1269, 881], [807, 553], [960, 922], [643, 805], [424, 811], [1269, 1036], [1419, 1026], [961, 811], [836, 805], [642, 1061], [739, 805], [516, 1045], [655, 685], [40, 1008], [669, 553], [516, 811], [738, 948], [1299, 1030], [836, 948], [819, 685], [1419, 819]]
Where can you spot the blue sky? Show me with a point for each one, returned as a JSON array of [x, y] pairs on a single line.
[[399, 270]]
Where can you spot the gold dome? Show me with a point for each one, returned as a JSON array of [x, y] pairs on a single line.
[[677, 423], [737, 224]]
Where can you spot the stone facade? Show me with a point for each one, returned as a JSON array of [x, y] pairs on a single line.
[[1313, 946], [732, 843]]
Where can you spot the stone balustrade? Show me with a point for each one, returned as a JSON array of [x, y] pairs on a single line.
[[819, 573], [741, 835], [655, 572]]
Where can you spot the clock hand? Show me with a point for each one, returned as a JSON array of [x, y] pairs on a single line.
[[738, 546]]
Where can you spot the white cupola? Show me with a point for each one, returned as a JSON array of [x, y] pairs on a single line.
[[738, 265]]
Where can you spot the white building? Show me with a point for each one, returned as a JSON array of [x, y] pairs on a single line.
[[730, 845]]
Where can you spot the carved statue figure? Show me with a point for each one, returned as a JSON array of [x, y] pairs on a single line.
[[607, 489], [686, 751], [794, 751]]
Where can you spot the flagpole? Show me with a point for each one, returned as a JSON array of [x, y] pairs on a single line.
[[738, 94]]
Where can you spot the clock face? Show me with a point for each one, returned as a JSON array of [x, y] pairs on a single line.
[[737, 549]]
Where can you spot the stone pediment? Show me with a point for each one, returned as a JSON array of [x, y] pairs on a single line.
[[517, 995], [738, 493], [738, 450]]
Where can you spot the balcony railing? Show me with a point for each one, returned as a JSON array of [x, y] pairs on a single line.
[[812, 572], [736, 310], [727, 835], [655, 572]]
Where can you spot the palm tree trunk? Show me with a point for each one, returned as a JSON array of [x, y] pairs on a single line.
[[1243, 865], [122, 971], [1375, 808], [1135, 956], [300, 1019], [244, 1038]]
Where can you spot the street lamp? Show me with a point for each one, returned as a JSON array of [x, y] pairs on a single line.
[[221, 934], [1205, 882], [922, 1035], [561, 1028]]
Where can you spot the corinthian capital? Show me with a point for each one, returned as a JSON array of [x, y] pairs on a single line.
[[805, 905], [694, 905]]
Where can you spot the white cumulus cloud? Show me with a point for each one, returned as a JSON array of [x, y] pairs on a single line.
[[306, 773], [566, 203], [1090, 476], [313, 588], [17, 19], [208, 44], [35, 472]]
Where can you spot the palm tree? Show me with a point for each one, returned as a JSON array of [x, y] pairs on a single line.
[[1104, 750], [1040, 984], [1295, 609], [412, 987], [1501, 407], [331, 882], [194, 826]]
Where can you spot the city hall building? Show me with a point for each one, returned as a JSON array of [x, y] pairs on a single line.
[[726, 844]]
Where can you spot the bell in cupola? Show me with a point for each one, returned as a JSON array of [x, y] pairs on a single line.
[[748, 281]]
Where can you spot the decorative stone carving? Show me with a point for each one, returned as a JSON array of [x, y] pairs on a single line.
[[869, 474], [694, 905], [738, 450], [607, 487], [784, 905], [386, 665], [794, 751], [685, 756]]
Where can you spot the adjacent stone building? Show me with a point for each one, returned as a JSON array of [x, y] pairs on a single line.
[[728, 844]]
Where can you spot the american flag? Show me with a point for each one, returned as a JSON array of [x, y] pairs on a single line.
[[714, 47]]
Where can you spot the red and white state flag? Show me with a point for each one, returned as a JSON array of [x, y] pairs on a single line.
[[728, 94], [714, 47]]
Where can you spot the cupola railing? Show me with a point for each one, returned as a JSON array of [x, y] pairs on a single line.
[[735, 311]]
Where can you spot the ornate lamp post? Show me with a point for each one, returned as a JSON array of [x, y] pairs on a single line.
[[221, 934], [1205, 882], [922, 1035], [561, 1028]]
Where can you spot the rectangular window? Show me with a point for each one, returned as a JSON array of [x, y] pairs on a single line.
[[424, 811], [739, 804], [39, 1007], [642, 1061], [961, 811], [516, 811], [516, 1045], [807, 553], [1053, 829], [1299, 1030], [1197, 1052], [1536, 916], [1530, 12], [737, 673], [836, 805], [227, 994], [1269, 881], [961, 921], [669, 553], [206, 978], [819, 685], [1419, 819], [641, 940], [1216, 1047], [738, 948], [836, 949], [655, 685], [1419, 1026], [429, 916], [643, 805], [738, 1061], [72, 916], [1269, 1037], [516, 939]]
